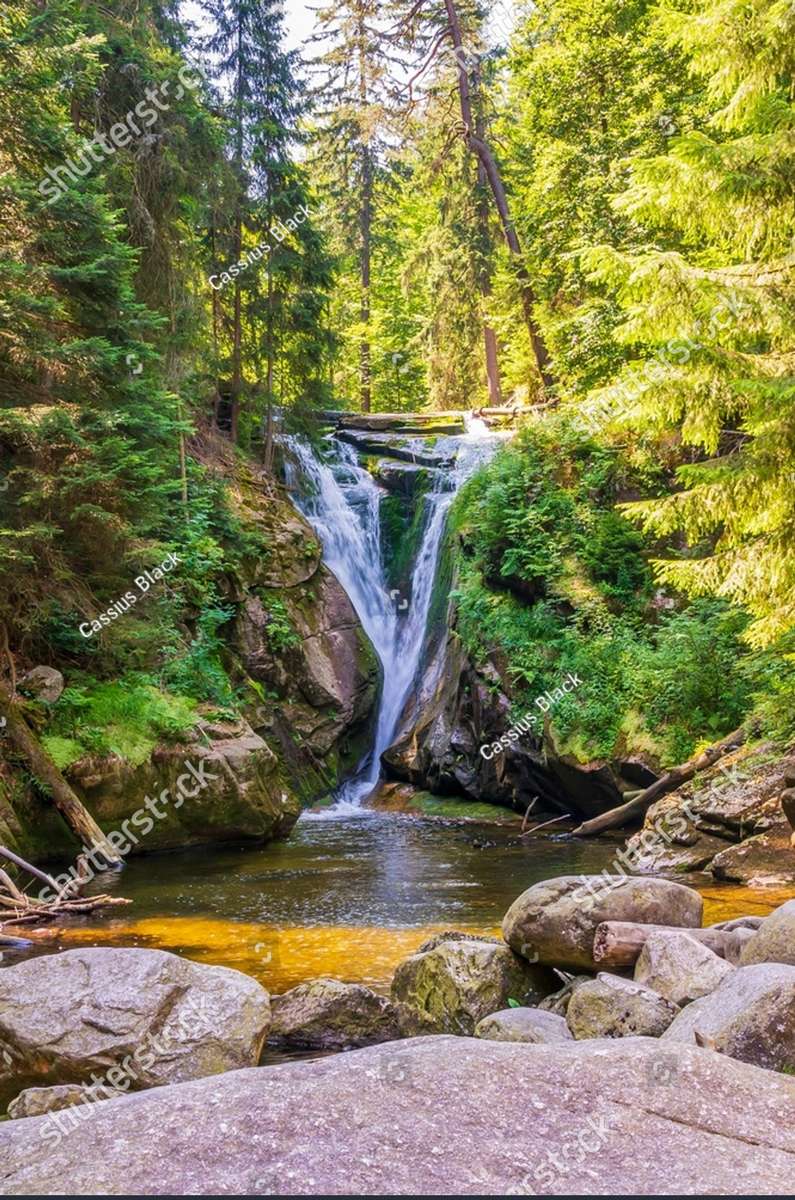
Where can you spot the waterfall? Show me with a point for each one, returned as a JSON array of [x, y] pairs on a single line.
[[341, 501]]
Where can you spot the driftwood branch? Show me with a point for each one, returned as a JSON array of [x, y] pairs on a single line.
[[666, 783]]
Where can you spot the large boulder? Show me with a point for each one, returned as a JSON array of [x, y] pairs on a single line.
[[612, 1007], [750, 1016], [459, 1116], [679, 967], [328, 1015], [523, 1025], [454, 984], [132, 1018], [774, 941], [727, 820], [554, 921]]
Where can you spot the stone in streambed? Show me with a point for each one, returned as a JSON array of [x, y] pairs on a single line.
[[136, 1018], [774, 941], [524, 1025], [35, 1102], [750, 1016], [455, 984], [610, 1007], [328, 1015], [680, 968], [554, 921]]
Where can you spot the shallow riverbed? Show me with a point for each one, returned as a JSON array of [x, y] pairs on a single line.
[[346, 897]]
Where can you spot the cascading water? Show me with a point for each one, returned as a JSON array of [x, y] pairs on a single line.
[[342, 502]]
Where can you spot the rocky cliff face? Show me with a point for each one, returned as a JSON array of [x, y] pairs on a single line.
[[296, 649], [460, 708]]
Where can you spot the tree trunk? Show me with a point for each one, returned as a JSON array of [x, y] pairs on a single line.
[[666, 783], [76, 815], [619, 943], [365, 226], [237, 333], [484, 267], [481, 149]]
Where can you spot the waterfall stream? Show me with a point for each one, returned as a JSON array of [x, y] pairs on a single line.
[[342, 502]]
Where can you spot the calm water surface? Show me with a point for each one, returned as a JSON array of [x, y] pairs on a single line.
[[344, 897]]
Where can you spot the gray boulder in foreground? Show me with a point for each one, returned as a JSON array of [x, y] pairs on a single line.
[[433, 1116], [750, 1016], [680, 968], [328, 1015], [135, 1018], [523, 1025], [554, 921], [774, 941], [610, 1006]]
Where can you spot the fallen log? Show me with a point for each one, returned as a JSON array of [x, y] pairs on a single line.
[[619, 943], [69, 805], [666, 783]]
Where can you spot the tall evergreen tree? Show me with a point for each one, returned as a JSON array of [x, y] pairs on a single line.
[[270, 222], [709, 311], [351, 71]]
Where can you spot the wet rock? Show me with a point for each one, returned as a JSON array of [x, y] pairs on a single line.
[[554, 921], [766, 859], [774, 941], [750, 1016], [452, 986], [680, 968], [403, 447], [135, 1018], [728, 820], [44, 683], [35, 1102], [240, 793], [405, 479], [523, 1025], [434, 1116], [328, 1015], [612, 1007]]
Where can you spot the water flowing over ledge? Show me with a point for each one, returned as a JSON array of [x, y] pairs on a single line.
[[342, 501]]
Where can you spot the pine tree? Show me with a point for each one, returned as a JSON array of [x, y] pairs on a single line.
[[282, 286], [709, 312], [351, 79]]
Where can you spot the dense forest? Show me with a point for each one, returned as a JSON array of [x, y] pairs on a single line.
[[588, 208], [397, 461]]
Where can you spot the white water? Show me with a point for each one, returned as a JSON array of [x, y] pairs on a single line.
[[342, 501]]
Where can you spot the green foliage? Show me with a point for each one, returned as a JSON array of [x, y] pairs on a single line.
[[128, 718], [279, 627], [554, 580]]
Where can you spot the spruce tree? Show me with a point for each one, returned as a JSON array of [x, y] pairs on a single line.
[[709, 312]]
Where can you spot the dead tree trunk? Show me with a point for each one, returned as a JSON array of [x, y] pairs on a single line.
[[481, 149], [71, 808], [619, 943], [666, 783]]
